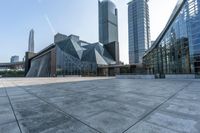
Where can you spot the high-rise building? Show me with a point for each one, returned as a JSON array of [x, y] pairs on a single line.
[[139, 30], [14, 59], [108, 22], [108, 27], [31, 41]]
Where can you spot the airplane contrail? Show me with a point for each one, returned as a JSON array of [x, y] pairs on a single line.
[[50, 24], [46, 17]]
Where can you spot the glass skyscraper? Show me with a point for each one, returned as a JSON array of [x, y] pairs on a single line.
[[177, 49], [139, 30], [108, 22]]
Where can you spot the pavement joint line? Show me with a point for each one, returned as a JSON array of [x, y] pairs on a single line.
[[13, 110], [158, 106], [58, 108]]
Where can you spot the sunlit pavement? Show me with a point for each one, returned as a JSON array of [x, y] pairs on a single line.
[[92, 105]]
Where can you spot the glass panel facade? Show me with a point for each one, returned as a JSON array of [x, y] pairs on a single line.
[[40, 66], [74, 59], [68, 56], [66, 64], [178, 50]]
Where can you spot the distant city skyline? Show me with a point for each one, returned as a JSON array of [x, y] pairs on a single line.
[[70, 17]]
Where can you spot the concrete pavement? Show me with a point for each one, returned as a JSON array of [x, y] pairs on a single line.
[[99, 105]]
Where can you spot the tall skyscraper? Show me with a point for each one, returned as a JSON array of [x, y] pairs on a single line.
[[139, 30], [108, 22], [31, 41]]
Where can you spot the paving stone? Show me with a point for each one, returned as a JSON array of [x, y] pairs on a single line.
[[134, 112], [9, 128], [183, 107], [104, 93], [109, 122], [189, 95], [22, 98], [145, 127], [2, 92], [141, 100], [6, 114], [72, 100], [109, 105], [4, 101], [51, 93], [174, 122], [82, 111], [32, 108], [15, 91], [53, 122]]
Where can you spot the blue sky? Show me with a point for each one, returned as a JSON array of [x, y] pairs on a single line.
[[79, 17]]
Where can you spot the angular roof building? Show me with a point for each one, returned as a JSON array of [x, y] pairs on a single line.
[[69, 55]]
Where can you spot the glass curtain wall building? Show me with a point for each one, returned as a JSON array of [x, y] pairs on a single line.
[[108, 28], [139, 30], [108, 22], [177, 49]]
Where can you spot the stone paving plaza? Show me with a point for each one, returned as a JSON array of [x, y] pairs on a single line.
[[99, 105]]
